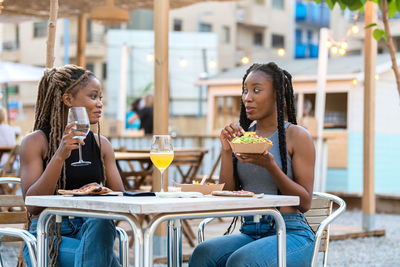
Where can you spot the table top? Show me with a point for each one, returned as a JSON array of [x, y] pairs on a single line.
[[148, 205]]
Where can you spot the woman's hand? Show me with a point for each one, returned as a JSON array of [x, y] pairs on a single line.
[[68, 142], [265, 160], [228, 133]]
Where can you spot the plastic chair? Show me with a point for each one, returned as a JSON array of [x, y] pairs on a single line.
[[17, 217], [319, 218]]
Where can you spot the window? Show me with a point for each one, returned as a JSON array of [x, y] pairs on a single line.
[[90, 67], [205, 27], [104, 71], [278, 4], [226, 35], [40, 29], [278, 41], [258, 39], [177, 25], [299, 37]]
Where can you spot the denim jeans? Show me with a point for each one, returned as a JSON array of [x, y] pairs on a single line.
[[85, 242], [256, 245]]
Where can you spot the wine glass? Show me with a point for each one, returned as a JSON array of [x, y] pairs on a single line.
[[79, 115], [161, 154]]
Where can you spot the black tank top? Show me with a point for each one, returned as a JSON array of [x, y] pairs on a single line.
[[79, 176]]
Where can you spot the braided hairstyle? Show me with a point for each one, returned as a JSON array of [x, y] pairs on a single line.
[[51, 112], [282, 84]]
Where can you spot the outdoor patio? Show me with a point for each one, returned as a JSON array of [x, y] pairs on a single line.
[[367, 251]]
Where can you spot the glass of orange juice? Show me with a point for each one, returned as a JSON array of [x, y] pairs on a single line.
[[161, 154]]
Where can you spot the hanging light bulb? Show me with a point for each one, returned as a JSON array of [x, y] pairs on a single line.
[[376, 76], [354, 81], [245, 60], [150, 57], [183, 62], [212, 64], [328, 44], [344, 45], [281, 52], [334, 50], [342, 51], [355, 29]]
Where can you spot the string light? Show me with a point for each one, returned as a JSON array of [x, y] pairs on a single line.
[[342, 51], [245, 60], [329, 44], [354, 82], [355, 29], [212, 64], [344, 45], [150, 57], [334, 50], [183, 62], [281, 52], [376, 76]]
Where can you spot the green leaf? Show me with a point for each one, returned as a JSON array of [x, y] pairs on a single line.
[[331, 3], [370, 26], [378, 34], [398, 5], [392, 8], [364, 2], [342, 5]]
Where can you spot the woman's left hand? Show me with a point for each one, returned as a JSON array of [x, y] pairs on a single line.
[[264, 160]]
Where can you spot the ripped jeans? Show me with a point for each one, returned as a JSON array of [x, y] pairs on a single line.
[[256, 245], [85, 242]]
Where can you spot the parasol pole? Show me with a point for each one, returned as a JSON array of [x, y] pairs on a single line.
[[370, 46], [51, 37]]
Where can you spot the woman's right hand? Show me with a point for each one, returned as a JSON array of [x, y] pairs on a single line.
[[68, 142], [228, 133]]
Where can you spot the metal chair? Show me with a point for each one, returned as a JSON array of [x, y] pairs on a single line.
[[17, 217], [319, 218]]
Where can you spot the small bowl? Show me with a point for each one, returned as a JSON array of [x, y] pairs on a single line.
[[251, 148]]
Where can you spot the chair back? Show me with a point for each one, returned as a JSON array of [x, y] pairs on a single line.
[[319, 218], [12, 209], [190, 161], [8, 168]]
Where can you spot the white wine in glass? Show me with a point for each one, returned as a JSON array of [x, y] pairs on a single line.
[[161, 154], [79, 115]]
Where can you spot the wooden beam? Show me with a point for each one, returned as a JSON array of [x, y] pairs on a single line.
[[51, 37], [161, 80], [370, 47], [81, 42]]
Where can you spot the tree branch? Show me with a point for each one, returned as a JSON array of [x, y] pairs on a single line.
[[389, 42]]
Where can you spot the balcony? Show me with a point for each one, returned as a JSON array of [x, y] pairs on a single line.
[[312, 13]]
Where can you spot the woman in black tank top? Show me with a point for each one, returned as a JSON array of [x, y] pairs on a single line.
[[46, 157], [267, 94]]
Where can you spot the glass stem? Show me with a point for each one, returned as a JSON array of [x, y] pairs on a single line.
[[80, 153], [162, 182]]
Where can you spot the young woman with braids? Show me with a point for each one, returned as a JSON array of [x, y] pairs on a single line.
[[46, 157], [288, 169]]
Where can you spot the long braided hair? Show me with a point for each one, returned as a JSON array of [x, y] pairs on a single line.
[[282, 84], [51, 112]]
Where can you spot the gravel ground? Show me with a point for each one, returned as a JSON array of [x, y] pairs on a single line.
[[368, 251]]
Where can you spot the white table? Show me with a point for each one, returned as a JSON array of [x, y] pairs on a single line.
[[163, 209]]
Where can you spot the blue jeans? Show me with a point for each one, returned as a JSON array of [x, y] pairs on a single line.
[[256, 245], [85, 242]]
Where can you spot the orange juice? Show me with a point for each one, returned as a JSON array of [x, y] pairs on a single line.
[[162, 160]]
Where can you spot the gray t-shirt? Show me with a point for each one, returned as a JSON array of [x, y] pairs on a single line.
[[257, 179]]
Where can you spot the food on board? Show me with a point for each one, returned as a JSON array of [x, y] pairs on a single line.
[[89, 189], [227, 193]]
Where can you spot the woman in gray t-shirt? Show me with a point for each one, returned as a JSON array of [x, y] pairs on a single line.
[[288, 169]]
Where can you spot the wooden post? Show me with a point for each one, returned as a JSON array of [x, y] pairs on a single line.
[[370, 47], [161, 80], [51, 37], [319, 182], [81, 42]]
